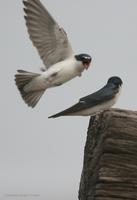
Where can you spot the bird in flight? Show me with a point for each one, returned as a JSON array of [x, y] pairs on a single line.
[[54, 48], [96, 102]]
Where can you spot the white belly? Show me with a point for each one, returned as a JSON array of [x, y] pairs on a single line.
[[65, 75], [64, 71]]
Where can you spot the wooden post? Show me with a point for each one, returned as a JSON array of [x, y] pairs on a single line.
[[110, 157]]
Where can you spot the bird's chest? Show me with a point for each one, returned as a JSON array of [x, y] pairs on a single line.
[[66, 73]]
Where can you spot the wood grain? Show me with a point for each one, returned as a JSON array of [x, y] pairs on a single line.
[[110, 157]]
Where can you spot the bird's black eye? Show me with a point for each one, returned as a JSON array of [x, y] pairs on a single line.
[[86, 58]]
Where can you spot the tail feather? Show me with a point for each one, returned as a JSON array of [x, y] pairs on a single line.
[[31, 98], [23, 78]]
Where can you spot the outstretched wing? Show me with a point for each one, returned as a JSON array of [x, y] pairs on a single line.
[[50, 40]]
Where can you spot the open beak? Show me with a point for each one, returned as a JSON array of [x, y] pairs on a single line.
[[87, 63]]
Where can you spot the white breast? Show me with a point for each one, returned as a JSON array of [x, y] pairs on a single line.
[[66, 70]]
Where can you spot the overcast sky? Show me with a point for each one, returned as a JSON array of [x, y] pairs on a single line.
[[41, 157]]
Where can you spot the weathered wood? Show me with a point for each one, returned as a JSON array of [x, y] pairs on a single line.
[[110, 157]]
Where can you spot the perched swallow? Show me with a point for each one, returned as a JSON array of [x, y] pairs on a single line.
[[61, 64], [94, 103]]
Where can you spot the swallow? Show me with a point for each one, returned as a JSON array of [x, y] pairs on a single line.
[[96, 102], [54, 48]]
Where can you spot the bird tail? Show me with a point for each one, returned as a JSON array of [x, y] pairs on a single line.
[[22, 79]]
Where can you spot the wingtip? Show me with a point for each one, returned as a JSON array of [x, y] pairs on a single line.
[[51, 117], [54, 116]]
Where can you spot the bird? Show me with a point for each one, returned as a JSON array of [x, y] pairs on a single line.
[[96, 102], [61, 64]]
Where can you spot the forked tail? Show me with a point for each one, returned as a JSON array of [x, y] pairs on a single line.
[[22, 79]]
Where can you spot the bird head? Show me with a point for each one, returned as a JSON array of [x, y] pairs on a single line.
[[85, 59], [115, 80]]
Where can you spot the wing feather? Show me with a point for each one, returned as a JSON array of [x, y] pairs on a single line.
[[106, 93], [50, 40]]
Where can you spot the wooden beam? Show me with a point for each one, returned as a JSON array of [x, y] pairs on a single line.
[[110, 157]]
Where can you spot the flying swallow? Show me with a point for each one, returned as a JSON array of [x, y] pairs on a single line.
[[96, 102], [54, 48]]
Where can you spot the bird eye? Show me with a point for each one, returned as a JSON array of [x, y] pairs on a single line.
[[86, 58]]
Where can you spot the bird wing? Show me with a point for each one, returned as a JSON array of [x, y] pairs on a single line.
[[50, 40], [70, 110], [107, 93]]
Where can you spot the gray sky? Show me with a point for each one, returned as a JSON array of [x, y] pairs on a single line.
[[42, 156]]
